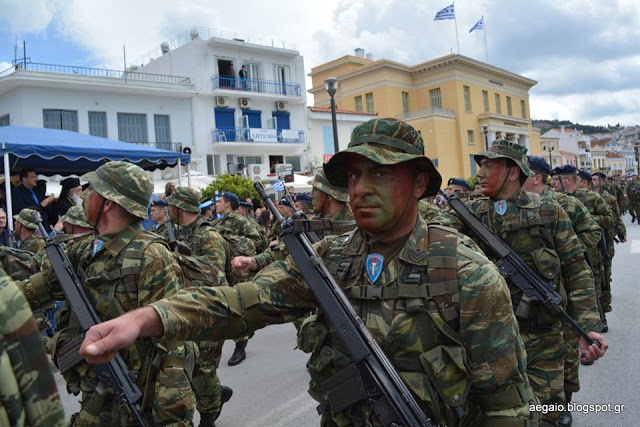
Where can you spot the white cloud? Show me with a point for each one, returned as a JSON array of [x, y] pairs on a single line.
[[23, 17]]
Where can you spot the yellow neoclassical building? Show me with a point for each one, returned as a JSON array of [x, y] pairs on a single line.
[[450, 100]]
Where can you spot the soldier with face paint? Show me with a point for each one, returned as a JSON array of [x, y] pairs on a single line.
[[437, 307]]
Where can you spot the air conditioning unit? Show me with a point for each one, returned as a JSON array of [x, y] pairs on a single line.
[[258, 172], [281, 105], [245, 103], [222, 101]]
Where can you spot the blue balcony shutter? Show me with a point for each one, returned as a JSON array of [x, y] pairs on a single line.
[[225, 118], [283, 119], [254, 117], [327, 139]]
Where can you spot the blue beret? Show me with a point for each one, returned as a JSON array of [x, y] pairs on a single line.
[[231, 198], [564, 170], [459, 182], [160, 202], [600, 174], [246, 205], [585, 174], [206, 204], [539, 164], [285, 202], [303, 198]]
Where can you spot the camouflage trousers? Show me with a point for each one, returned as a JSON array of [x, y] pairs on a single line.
[[571, 359], [205, 382], [545, 367], [605, 298], [634, 207]]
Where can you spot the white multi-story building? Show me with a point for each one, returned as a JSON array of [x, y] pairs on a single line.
[[572, 140], [189, 94], [260, 119]]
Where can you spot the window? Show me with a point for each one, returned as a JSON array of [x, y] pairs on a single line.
[[498, 107], [405, 103], [5, 120], [249, 160], [509, 109], [369, 97], [485, 101], [467, 98], [470, 139], [523, 109], [132, 127], [98, 123], [163, 131], [436, 99], [327, 139], [294, 161], [473, 165], [359, 103], [61, 119]]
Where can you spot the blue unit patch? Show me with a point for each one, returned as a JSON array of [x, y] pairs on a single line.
[[374, 265]]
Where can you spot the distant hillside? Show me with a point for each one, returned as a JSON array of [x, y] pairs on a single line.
[[545, 125]]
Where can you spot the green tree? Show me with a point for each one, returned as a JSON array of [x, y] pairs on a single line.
[[239, 185]]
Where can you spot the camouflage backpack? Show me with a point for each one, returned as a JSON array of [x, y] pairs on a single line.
[[19, 264]]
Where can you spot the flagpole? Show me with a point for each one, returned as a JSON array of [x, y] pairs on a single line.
[[455, 20], [484, 30]]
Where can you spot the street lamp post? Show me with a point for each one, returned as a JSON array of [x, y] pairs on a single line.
[[331, 85], [550, 149], [485, 130]]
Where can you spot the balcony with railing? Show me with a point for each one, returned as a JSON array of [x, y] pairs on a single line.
[[408, 115], [94, 72], [168, 146], [256, 86], [257, 135]]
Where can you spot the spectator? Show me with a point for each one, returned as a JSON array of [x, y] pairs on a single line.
[[243, 77], [5, 240], [168, 189], [265, 220], [25, 197], [70, 195]]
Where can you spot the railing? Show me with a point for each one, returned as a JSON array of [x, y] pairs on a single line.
[[207, 33], [254, 135], [255, 85], [425, 112], [169, 146], [95, 72]]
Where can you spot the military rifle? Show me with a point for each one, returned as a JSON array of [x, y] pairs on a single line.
[[371, 377], [302, 218], [113, 374], [515, 270]]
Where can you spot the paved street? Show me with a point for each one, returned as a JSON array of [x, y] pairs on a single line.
[[270, 386]]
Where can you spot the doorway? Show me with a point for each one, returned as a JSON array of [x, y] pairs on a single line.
[[227, 73], [273, 161]]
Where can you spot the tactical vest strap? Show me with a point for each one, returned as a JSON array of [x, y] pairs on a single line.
[[512, 397], [407, 290]]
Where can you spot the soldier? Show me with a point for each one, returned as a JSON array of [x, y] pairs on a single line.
[[25, 231], [246, 210], [28, 390], [115, 204], [542, 235], [567, 181], [198, 234], [632, 196], [589, 233], [457, 185], [460, 355], [304, 203], [160, 216]]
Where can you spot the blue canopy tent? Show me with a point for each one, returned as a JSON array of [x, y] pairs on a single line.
[[53, 151]]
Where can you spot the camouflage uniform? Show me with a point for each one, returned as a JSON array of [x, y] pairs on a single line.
[[28, 393], [209, 245], [121, 272], [442, 348], [632, 191], [34, 243], [616, 230], [19, 264], [161, 230], [542, 235]]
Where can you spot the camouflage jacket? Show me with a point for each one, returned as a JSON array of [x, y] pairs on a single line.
[[598, 208], [125, 271], [632, 191], [542, 234], [485, 339], [34, 244], [205, 241], [28, 390], [161, 230], [618, 228], [585, 227], [235, 224], [19, 264]]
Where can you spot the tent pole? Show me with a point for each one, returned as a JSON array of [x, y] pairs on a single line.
[[188, 175], [7, 189], [179, 173]]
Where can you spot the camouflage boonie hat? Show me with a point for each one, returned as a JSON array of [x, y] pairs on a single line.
[[76, 216], [25, 217], [321, 182], [124, 183], [503, 149], [385, 141], [186, 199]]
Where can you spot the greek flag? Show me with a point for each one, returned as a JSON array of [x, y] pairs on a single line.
[[446, 13], [479, 25], [278, 185]]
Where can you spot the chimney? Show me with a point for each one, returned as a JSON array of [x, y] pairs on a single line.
[[562, 130], [370, 56], [359, 52]]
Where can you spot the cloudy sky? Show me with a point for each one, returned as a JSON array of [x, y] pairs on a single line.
[[585, 54]]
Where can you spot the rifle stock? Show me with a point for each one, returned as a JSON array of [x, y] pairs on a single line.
[[388, 396], [113, 374], [515, 270]]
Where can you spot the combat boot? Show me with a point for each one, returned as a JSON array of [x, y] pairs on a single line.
[[208, 419], [565, 419], [238, 354]]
